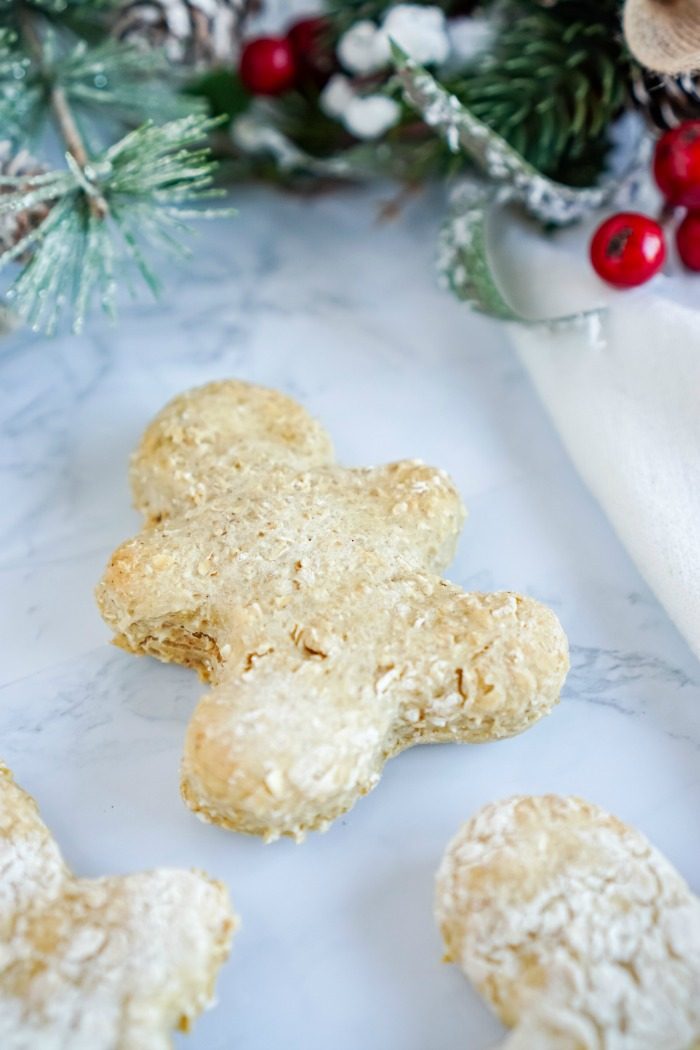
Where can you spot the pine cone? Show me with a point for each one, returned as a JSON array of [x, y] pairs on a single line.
[[200, 33], [666, 101], [15, 225]]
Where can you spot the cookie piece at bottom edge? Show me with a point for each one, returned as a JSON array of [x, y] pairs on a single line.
[[577, 932], [112, 963]]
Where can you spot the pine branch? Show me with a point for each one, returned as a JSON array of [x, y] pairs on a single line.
[[98, 80], [58, 101], [119, 77], [555, 80], [19, 95], [147, 181], [54, 6], [494, 157], [79, 228]]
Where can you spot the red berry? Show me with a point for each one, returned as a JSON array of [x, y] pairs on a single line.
[[677, 164], [310, 42], [627, 249], [688, 240], [267, 66]]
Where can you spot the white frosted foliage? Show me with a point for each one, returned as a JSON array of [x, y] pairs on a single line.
[[337, 96], [420, 31], [371, 116], [365, 116], [363, 48]]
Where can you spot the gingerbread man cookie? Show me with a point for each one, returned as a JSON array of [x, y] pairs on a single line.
[[99, 964], [309, 594], [576, 931]]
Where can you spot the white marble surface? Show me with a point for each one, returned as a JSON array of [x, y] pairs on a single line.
[[338, 945]]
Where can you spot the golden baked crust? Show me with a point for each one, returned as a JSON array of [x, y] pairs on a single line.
[[578, 933], [206, 436], [99, 964], [309, 595]]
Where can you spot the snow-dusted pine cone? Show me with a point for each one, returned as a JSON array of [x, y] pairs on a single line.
[[14, 225], [199, 33], [667, 101]]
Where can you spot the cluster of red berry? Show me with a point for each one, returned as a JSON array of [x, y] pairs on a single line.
[[629, 248], [271, 65]]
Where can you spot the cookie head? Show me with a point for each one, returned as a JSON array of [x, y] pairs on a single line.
[[204, 437], [577, 932]]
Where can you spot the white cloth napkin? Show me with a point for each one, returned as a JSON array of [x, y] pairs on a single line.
[[626, 401]]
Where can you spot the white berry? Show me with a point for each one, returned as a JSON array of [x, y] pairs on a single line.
[[420, 31], [363, 48], [371, 116]]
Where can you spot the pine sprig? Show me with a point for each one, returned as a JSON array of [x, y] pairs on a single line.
[[109, 79], [510, 172], [147, 185], [553, 83], [119, 79], [20, 94], [8, 8], [79, 229]]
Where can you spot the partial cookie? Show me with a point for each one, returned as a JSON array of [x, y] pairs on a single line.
[[577, 932], [310, 595], [99, 964]]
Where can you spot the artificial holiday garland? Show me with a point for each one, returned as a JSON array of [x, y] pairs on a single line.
[[550, 78], [552, 84], [518, 97], [511, 100]]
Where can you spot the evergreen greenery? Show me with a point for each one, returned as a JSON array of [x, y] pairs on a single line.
[[553, 83], [113, 199], [547, 91], [103, 218]]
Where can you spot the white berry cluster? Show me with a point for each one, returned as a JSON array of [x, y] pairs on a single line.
[[419, 30], [364, 50]]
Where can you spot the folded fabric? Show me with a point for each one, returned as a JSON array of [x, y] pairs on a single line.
[[624, 393]]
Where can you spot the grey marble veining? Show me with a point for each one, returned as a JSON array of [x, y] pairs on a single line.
[[338, 945]]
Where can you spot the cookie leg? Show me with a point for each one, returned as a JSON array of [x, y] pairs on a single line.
[[284, 750], [292, 742]]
